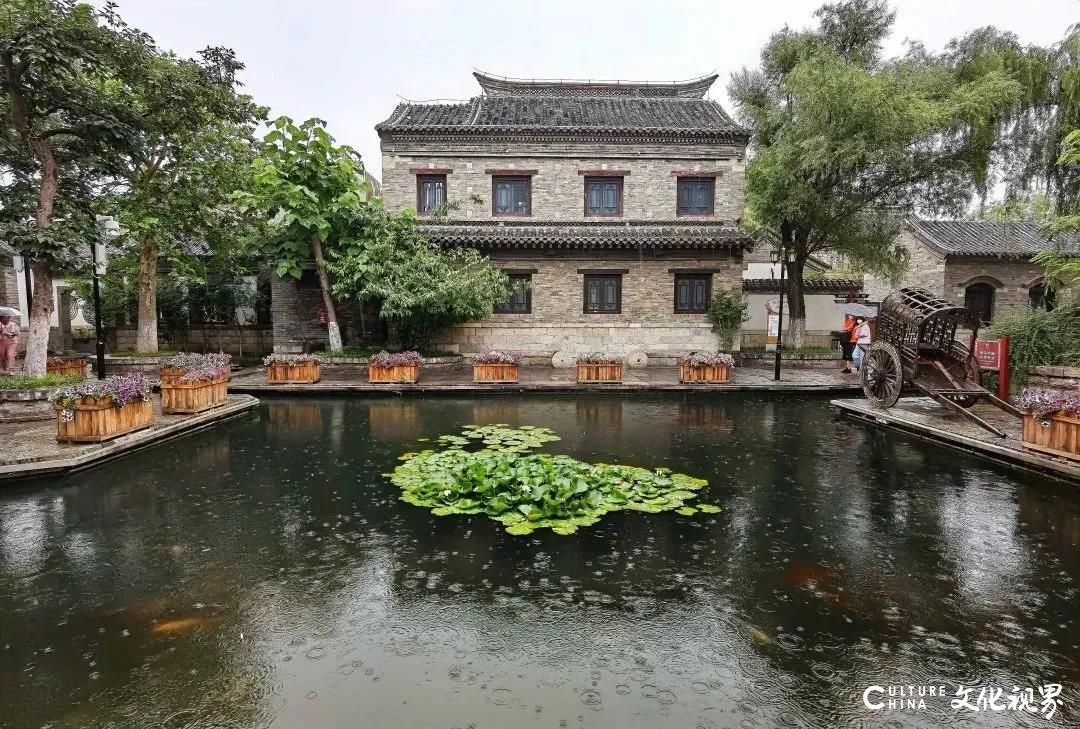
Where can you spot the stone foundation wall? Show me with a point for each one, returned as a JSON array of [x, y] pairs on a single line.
[[256, 340], [646, 324], [25, 405], [1057, 378]]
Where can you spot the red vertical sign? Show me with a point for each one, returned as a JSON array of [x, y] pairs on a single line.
[[993, 355]]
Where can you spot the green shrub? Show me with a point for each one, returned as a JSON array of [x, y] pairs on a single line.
[[727, 312], [1039, 337], [37, 382]]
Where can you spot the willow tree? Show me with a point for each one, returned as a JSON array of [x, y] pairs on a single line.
[[311, 190], [845, 142], [66, 71]]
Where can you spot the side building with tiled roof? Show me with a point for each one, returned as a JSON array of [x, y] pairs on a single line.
[[613, 206], [981, 264]]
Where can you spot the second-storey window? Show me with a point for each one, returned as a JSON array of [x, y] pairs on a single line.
[[511, 195], [430, 193], [695, 196], [692, 292], [520, 301], [603, 196], [603, 294]]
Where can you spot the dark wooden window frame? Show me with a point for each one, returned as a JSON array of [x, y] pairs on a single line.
[[599, 179], [592, 275], [429, 177], [503, 308], [527, 179], [688, 275], [986, 288], [679, 181]]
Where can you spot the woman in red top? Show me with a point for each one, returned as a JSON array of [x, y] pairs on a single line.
[[847, 343]]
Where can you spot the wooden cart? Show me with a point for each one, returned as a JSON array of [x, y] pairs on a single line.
[[929, 344]]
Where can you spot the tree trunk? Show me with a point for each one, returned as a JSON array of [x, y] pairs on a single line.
[[332, 328], [146, 338], [796, 302], [37, 343]]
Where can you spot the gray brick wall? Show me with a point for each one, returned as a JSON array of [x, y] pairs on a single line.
[[294, 309], [558, 187], [926, 269], [647, 322]]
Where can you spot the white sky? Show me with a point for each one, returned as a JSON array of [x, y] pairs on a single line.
[[348, 61]]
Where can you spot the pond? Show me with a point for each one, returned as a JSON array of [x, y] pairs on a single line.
[[265, 573]]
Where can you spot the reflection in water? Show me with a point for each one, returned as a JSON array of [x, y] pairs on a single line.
[[265, 573]]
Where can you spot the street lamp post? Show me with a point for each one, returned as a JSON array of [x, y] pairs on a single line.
[[108, 228], [780, 257]]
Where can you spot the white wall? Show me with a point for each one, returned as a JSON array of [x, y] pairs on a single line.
[[20, 277]]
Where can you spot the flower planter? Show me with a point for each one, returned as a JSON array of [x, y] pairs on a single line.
[[605, 373], [703, 374], [494, 373], [1060, 436], [302, 373], [95, 420], [193, 397], [396, 374], [170, 374], [66, 367]]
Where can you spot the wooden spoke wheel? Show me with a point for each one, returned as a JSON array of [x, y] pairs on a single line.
[[972, 376], [882, 374]]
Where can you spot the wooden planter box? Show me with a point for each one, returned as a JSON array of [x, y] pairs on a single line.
[[169, 374], [193, 397], [499, 372], [1060, 438], [304, 373], [400, 374], [98, 420], [705, 374], [67, 367], [610, 373]]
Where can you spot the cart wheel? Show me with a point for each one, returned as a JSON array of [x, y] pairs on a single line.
[[972, 374], [882, 374]]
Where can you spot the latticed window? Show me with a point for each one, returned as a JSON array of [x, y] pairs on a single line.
[[695, 195], [603, 294], [430, 193], [520, 301], [692, 293], [603, 196], [979, 297], [510, 196]]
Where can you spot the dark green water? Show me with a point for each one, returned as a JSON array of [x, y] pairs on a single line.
[[265, 574]]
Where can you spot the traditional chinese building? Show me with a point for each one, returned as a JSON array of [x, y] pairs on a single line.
[[614, 208]]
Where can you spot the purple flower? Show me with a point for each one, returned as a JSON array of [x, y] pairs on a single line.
[[498, 357], [384, 360], [279, 358], [708, 359], [602, 358], [1043, 402], [123, 389]]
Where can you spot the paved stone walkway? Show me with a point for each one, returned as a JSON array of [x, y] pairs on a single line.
[[458, 378], [30, 449], [923, 417]]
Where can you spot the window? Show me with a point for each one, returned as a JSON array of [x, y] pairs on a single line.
[[1041, 297], [603, 294], [603, 196], [692, 292], [520, 301], [430, 193], [695, 195], [979, 297], [511, 196]]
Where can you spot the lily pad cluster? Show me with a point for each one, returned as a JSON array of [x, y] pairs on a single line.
[[492, 470]]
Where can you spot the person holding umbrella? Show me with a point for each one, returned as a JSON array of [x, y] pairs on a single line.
[[9, 338]]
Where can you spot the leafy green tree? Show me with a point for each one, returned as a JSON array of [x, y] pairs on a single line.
[[418, 287], [846, 143], [1063, 266], [311, 189], [66, 71], [194, 152]]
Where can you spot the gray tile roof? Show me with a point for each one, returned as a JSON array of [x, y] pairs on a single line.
[[569, 109], [1017, 240], [810, 285], [589, 234]]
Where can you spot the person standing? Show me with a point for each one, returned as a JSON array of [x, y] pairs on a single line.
[[9, 343], [862, 340], [847, 343]]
